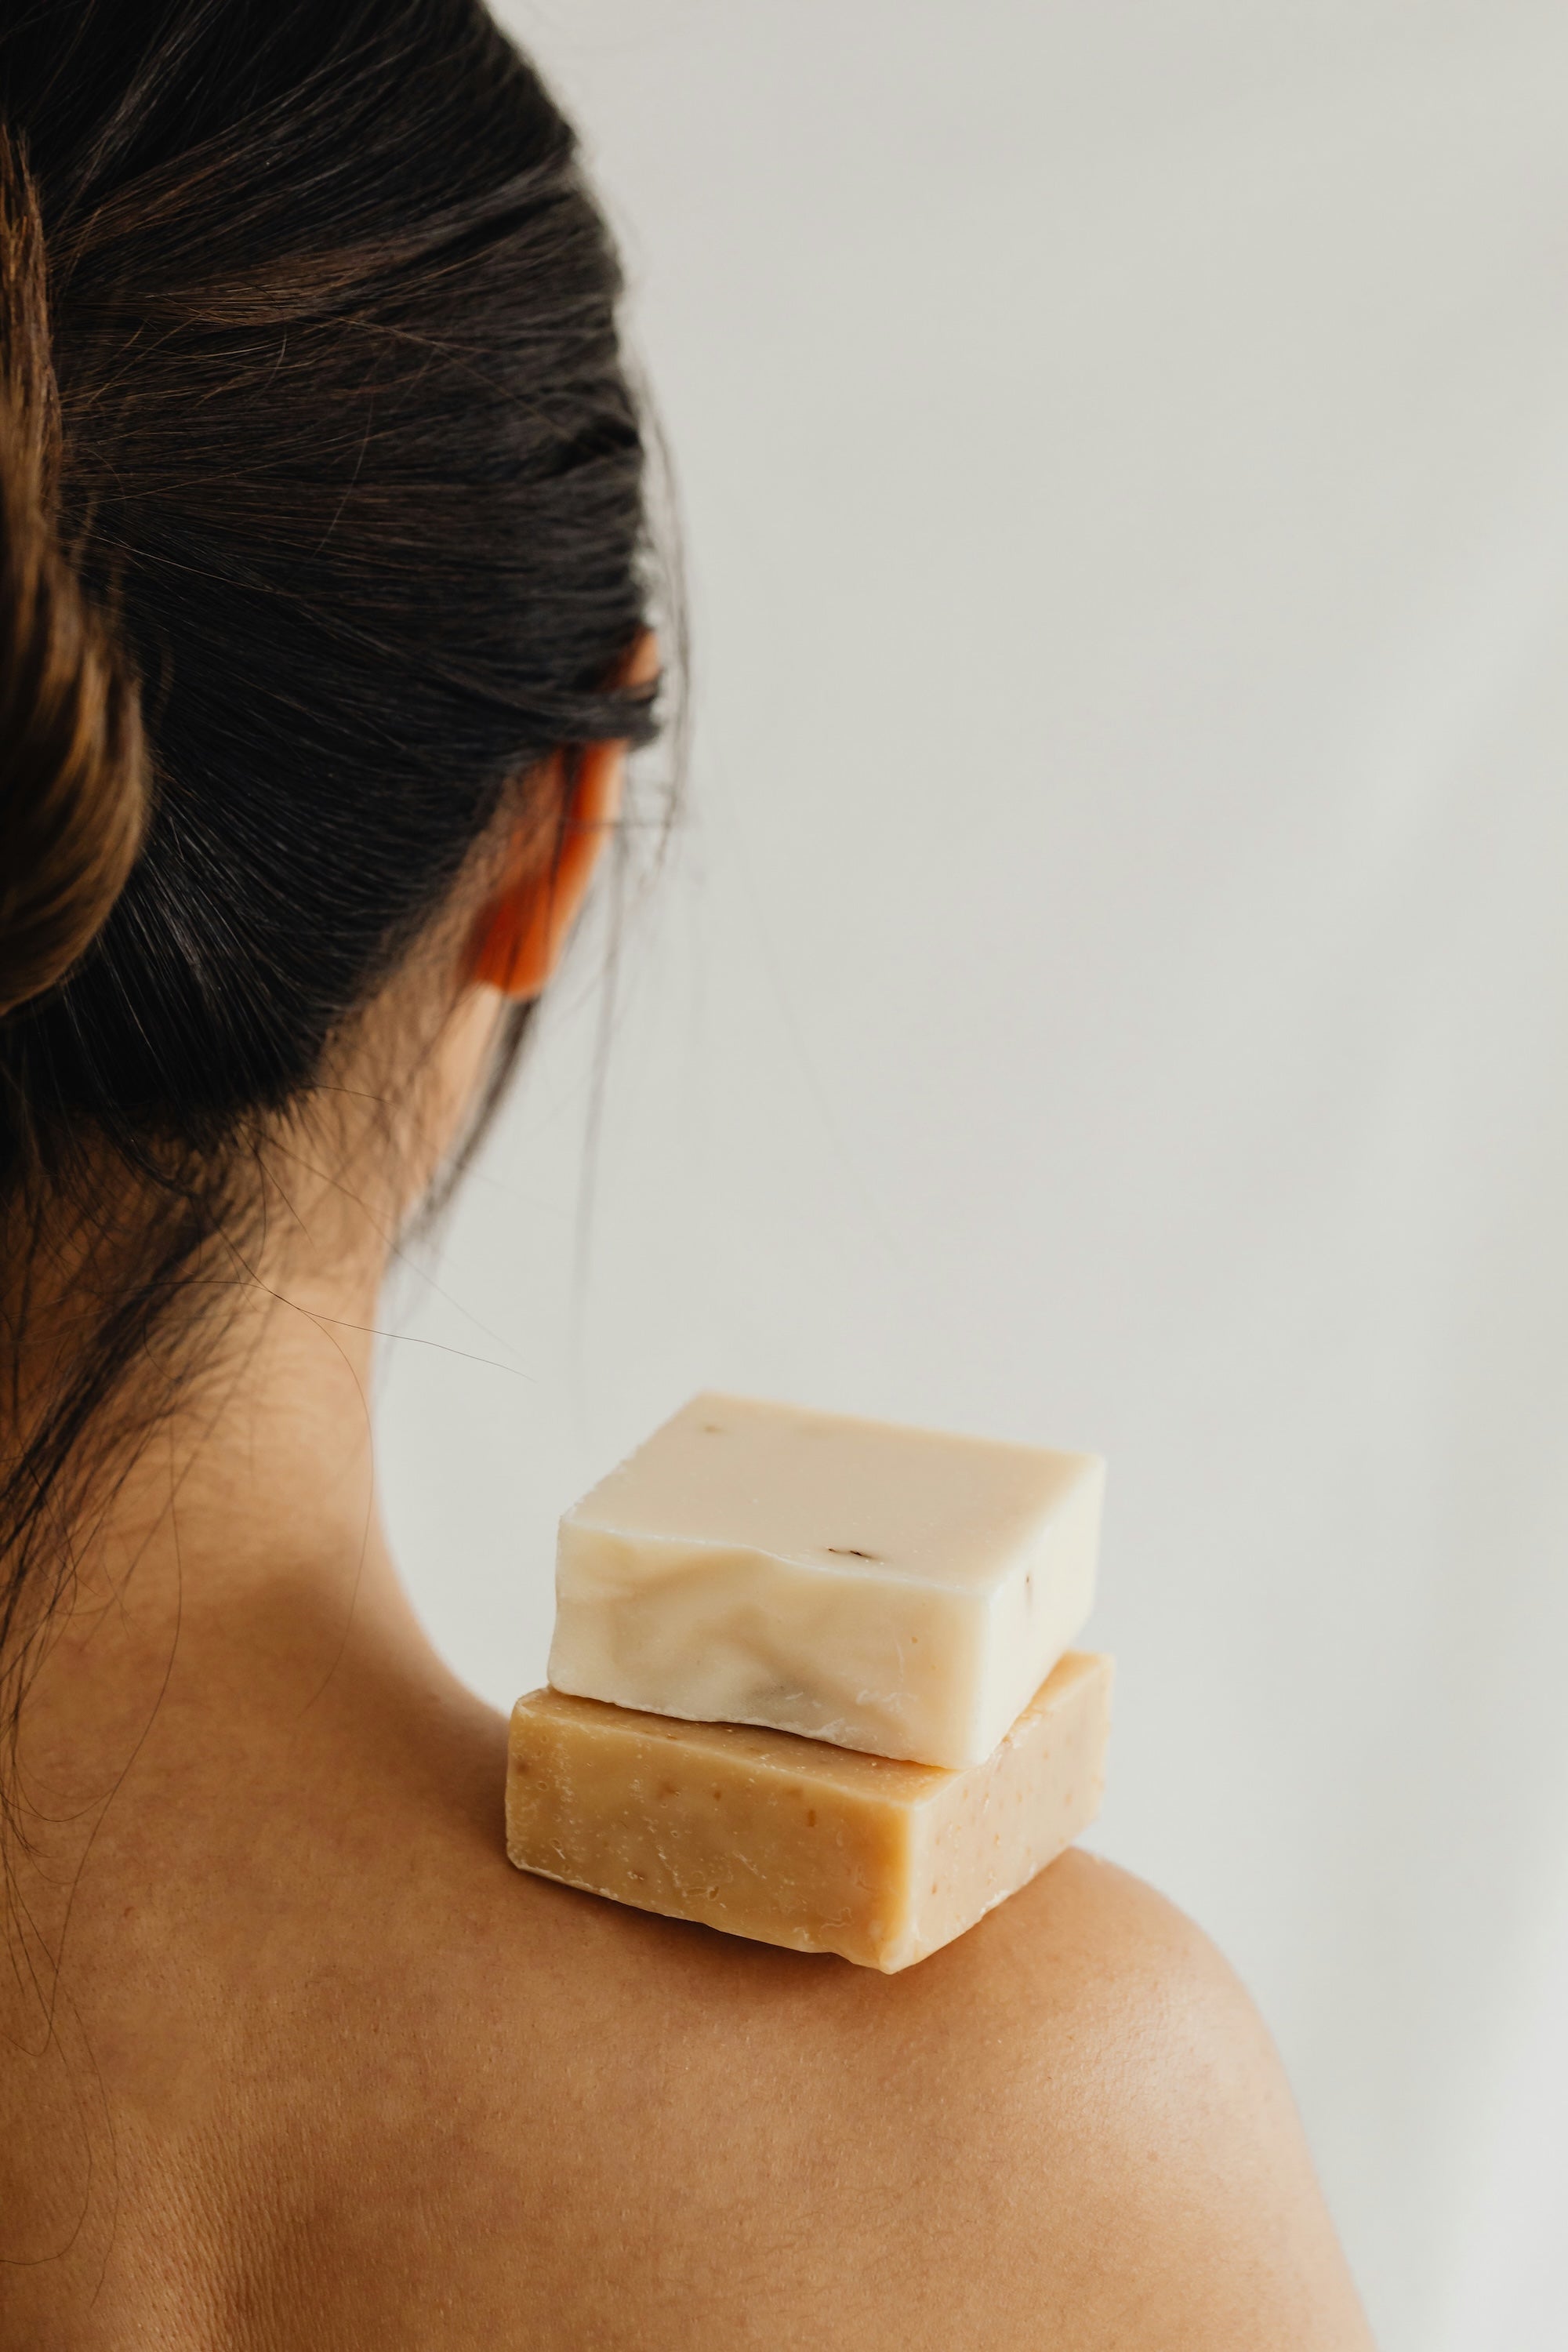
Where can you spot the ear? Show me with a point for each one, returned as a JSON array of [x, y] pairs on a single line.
[[521, 936]]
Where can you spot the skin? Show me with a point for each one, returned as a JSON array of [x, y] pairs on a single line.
[[291, 2056]]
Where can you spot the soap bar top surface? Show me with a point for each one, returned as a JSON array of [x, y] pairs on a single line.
[[917, 1505], [896, 1590]]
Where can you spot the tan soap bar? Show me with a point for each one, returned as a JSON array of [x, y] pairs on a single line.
[[793, 1842]]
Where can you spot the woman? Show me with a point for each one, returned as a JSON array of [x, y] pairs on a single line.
[[324, 638]]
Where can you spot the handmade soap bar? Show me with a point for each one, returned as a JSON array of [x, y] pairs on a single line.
[[791, 1841], [885, 1589]]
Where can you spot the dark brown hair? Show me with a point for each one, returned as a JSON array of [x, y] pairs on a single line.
[[73, 791], [321, 522]]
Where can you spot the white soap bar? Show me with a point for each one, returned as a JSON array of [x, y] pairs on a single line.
[[885, 1589]]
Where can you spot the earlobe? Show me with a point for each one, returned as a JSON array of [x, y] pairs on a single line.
[[520, 937]]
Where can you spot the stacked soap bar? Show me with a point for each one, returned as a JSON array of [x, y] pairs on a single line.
[[810, 1680], [794, 1841]]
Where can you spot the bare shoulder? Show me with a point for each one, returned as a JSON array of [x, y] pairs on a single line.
[[386, 2091], [1070, 2129], [1126, 2167]]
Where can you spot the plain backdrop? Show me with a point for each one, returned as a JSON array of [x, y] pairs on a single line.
[[1109, 985]]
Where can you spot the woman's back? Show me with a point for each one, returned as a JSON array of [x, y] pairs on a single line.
[[326, 603], [324, 2069]]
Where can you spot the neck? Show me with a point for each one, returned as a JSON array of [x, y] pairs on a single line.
[[225, 1565], [233, 1550], [236, 1649]]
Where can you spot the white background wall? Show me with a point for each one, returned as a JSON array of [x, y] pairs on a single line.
[[1110, 985]]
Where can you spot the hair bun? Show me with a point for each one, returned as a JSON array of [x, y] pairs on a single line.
[[73, 762]]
